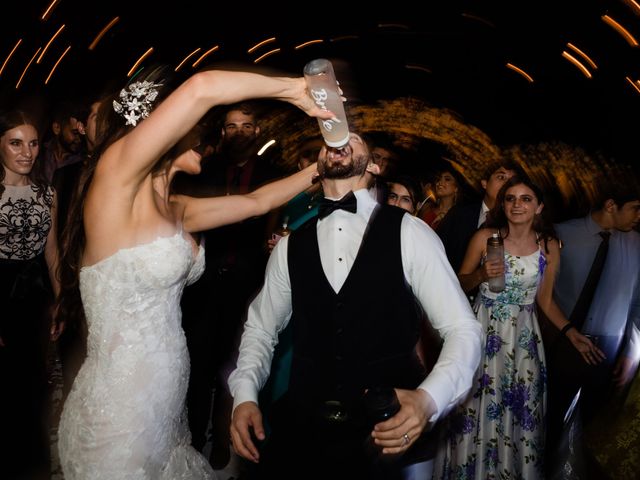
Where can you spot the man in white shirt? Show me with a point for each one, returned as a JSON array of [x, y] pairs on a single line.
[[350, 281]]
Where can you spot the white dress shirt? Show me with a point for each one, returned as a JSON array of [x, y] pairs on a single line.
[[427, 272], [483, 214]]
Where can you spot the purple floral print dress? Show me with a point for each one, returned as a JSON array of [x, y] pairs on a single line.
[[498, 431]]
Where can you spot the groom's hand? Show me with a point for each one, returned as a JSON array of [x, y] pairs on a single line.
[[245, 420], [399, 433]]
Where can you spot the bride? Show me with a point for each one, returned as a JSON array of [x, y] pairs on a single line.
[[135, 253]]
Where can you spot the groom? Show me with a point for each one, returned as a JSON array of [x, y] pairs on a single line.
[[350, 282]]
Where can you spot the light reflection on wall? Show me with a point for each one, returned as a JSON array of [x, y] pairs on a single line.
[[568, 173]]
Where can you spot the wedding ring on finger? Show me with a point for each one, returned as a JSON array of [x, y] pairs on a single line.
[[405, 440]]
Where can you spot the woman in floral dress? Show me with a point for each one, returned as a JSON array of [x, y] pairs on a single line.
[[498, 432]]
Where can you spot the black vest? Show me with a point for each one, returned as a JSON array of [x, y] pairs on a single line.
[[366, 334]]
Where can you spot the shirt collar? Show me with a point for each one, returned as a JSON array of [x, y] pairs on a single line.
[[592, 227], [366, 203]]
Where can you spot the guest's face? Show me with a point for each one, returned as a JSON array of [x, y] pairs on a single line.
[[627, 217], [399, 196], [346, 162], [19, 148], [70, 137], [495, 182], [521, 204], [446, 185], [239, 133], [383, 158]]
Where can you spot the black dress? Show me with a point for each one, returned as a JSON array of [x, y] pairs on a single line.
[[25, 295]]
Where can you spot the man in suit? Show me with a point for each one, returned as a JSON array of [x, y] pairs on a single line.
[[462, 221], [65, 144], [350, 335], [612, 320]]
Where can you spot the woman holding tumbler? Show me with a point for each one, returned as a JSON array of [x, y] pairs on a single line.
[[498, 432]]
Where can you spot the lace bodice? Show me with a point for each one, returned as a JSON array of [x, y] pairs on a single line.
[[124, 417], [25, 221], [145, 278]]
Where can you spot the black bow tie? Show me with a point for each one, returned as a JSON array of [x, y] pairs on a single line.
[[348, 203]]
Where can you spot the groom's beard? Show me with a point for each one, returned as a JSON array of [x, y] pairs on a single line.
[[336, 170]]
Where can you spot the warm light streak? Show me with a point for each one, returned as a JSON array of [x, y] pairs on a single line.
[[10, 55], [186, 59], [102, 33], [633, 5], [478, 19], [262, 57], [417, 67], [265, 146], [633, 84], [577, 63], [27, 67], [258, 45], [50, 42], [306, 44], [584, 56], [344, 37], [47, 12], [205, 55], [393, 25], [56, 65], [140, 60], [520, 71], [620, 29]]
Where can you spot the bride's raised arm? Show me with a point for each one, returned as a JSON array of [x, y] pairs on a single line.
[[128, 161]]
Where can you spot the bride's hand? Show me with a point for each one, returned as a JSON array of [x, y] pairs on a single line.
[[301, 98]]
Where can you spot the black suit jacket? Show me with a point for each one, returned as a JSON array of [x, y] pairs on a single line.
[[456, 229]]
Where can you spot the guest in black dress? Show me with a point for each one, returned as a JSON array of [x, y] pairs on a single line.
[[27, 212]]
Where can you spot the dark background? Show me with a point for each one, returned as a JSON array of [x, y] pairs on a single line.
[[452, 56]]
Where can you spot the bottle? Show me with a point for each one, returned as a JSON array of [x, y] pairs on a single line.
[[379, 405], [495, 251], [324, 90], [283, 231]]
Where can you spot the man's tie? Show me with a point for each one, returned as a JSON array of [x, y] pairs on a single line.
[[580, 310], [348, 203]]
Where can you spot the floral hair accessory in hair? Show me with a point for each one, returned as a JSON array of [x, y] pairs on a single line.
[[136, 101]]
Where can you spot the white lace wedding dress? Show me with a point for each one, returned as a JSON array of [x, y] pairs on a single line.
[[124, 418]]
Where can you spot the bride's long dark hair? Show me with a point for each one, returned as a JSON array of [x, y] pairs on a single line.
[[110, 127]]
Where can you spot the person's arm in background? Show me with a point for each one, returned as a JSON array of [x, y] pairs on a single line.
[[544, 298]]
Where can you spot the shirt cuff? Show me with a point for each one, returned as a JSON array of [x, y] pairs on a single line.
[[244, 392], [435, 385]]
